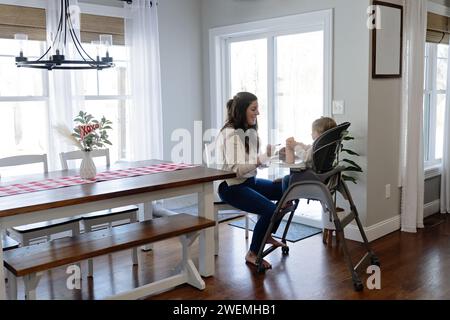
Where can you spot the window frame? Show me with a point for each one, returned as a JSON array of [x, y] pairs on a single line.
[[430, 111], [271, 28]]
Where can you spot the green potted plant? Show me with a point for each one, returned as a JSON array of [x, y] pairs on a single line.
[[87, 135]]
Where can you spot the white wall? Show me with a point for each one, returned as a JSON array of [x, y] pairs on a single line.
[[350, 62], [181, 66]]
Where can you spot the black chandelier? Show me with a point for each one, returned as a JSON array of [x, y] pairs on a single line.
[[59, 44]]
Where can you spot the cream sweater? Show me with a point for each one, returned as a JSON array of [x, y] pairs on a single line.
[[231, 156]]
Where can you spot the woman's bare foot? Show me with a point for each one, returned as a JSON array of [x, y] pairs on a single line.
[[250, 257], [275, 243]]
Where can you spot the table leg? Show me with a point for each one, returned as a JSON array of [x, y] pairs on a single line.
[[146, 213], [2, 270], [207, 243]]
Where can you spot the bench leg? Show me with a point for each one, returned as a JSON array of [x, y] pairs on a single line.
[[192, 274], [90, 268], [12, 285], [216, 230], [31, 281], [134, 256], [146, 213]]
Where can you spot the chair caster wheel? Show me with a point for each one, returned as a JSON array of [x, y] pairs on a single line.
[[358, 286], [374, 261], [285, 250]]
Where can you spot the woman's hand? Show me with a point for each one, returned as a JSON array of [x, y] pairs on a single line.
[[270, 150]]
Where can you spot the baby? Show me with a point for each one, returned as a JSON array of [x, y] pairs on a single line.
[[303, 151]]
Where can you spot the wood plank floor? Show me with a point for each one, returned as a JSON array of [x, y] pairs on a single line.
[[414, 266]]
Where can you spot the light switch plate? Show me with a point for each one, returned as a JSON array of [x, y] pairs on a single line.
[[338, 107]]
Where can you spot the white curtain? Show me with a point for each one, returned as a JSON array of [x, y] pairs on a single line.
[[445, 172], [411, 165], [65, 96], [145, 130]]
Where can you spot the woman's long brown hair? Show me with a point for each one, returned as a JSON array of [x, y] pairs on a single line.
[[237, 115]]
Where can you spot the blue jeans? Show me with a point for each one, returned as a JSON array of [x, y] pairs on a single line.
[[254, 196]]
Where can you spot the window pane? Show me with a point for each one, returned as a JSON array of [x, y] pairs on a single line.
[[442, 51], [441, 74], [24, 128], [113, 110], [113, 81], [16, 81], [299, 84], [248, 62], [440, 114]]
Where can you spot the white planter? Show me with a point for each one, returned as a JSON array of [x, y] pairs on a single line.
[[87, 168]]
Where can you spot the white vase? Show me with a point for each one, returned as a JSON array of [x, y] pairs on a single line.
[[87, 168]]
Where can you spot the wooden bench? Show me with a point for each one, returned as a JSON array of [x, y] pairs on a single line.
[[29, 262]]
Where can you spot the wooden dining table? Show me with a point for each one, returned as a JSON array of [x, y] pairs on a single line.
[[71, 201]]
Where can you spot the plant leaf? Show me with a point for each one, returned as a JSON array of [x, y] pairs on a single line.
[[355, 169], [348, 178], [353, 153], [353, 163]]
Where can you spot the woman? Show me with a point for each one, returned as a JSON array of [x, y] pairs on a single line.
[[238, 151]]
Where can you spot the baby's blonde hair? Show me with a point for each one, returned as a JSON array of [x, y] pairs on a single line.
[[323, 124]]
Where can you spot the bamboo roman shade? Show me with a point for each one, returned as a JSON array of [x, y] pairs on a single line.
[[17, 19], [438, 28]]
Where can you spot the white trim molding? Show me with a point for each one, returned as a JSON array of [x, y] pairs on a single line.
[[431, 208], [351, 232], [374, 231], [433, 171]]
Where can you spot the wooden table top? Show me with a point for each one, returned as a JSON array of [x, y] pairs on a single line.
[[56, 198]]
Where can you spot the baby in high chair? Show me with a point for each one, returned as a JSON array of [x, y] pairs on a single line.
[[300, 150]]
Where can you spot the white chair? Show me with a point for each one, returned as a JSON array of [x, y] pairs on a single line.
[[104, 218], [27, 234], [220, 205]]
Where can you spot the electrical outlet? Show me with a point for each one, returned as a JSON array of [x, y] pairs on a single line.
[[388, 191], [338, 107]]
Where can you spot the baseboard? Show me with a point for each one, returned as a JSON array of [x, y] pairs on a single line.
[[431, 208], [351, 232], [375, 231]]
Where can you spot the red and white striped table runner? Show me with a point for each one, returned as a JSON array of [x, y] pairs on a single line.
[[76, 180]]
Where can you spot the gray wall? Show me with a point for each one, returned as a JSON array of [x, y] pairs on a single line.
[[181, 66], [350, 62], [383, 146]]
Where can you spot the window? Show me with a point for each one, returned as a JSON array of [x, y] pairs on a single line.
[[436, 60], [23, 103], [106, 93], [286, 62], [24, 93]]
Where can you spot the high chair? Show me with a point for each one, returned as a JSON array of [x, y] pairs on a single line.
[[321, 183]]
